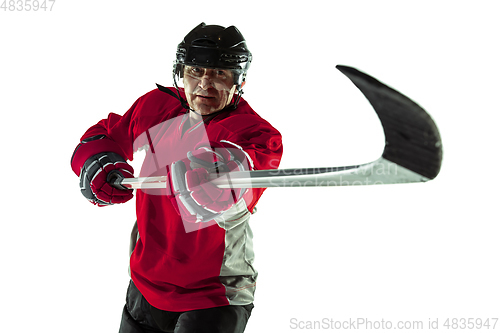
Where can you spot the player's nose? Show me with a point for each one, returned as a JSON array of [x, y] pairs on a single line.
[[205, 82]]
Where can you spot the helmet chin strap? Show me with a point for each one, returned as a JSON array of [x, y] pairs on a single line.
[[184, 102]]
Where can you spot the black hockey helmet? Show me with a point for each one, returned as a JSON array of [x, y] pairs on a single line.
[[213, 46]]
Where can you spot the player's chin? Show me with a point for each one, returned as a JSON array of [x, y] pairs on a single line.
[[207, 108]]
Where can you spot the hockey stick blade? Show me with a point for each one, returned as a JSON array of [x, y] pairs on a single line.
[[412, 138], [412, 153]]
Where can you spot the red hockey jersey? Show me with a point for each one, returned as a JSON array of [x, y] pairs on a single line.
[[179, 267]]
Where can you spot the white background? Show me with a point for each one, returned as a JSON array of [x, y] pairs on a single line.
[[393, 252]]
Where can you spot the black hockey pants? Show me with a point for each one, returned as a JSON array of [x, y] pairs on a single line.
[[140, 317]]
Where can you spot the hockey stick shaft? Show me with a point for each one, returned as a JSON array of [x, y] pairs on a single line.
[[375, 173]]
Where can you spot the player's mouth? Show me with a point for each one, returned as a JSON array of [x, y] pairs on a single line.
[[205, 97]]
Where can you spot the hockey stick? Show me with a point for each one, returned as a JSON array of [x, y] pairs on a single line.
[[412, 153]]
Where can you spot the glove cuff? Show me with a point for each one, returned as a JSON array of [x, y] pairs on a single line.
[[87, 149]]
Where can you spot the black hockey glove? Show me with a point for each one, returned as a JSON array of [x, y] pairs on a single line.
[[95, 177]]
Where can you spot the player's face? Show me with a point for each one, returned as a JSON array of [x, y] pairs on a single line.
[[208, 90]]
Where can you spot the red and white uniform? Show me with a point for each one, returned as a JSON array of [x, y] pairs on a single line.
[[209, 265]]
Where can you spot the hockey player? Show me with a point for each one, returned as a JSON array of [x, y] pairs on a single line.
[[191, 263]]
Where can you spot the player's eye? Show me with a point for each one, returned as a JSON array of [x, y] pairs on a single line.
[[222, 74], [196, 71]]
